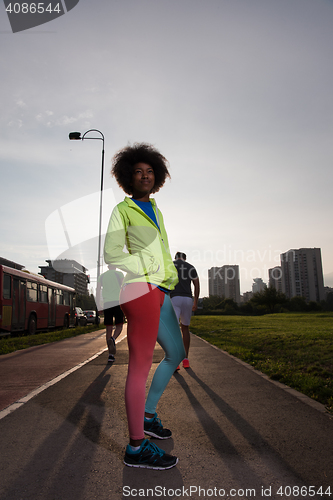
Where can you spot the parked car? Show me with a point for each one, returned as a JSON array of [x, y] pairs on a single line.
[[80, 317], [91, 316]]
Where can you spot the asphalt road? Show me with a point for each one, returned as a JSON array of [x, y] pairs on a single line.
[[237, 434]]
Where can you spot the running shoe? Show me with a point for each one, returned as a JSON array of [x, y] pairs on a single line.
[[111, 358], [149, 456], [112, 346], [155, 429], [186, 363]]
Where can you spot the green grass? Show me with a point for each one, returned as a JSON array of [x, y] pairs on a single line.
[[295, 349], [11, 344]]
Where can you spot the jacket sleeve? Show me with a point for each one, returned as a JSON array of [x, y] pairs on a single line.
[[116, 241]]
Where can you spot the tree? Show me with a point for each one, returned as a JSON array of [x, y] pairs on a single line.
[[297, 304], [211, 303], [86, 302], [229, 306], [328, 303], [270, 298]]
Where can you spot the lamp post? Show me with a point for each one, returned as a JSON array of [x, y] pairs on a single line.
[[76, 136]]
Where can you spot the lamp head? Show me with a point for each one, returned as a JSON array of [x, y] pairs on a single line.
[[75, 136]]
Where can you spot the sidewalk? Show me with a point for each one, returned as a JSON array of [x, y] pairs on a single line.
[[237, 435], [24, 373]]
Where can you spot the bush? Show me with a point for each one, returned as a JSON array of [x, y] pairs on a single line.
[[297, 304]]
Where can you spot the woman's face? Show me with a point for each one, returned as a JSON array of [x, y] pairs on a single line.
[[143, 180]]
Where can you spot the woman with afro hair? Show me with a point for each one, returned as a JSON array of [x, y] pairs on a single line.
[[136, 242]]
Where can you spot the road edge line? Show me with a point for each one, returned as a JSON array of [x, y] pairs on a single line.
[[18, 404]]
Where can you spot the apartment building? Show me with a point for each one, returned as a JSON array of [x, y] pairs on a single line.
[[275, 278], [258, 285], [224, 282], [302, 274], [68, 272]]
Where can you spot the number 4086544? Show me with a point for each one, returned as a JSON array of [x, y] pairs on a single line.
[[33, 8], [303, 491]]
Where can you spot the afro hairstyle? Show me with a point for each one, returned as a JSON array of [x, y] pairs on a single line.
[[124, 161]]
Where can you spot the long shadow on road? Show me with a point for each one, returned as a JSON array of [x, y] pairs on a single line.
[[265, 464], [62, 461]]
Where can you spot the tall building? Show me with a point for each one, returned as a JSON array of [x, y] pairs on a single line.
[[224, 282], [275, 278], [213, 282], [258, 285], [67, 272], [302, 274]]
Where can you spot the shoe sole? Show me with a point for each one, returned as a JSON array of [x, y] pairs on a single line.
[[147, 466], [152, 434]]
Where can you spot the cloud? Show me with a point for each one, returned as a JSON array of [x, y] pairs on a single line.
[[21, 104]]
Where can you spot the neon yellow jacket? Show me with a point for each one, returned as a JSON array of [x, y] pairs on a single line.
[[148, 256]]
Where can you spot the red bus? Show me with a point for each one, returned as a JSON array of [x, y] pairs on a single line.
[[29, 302]]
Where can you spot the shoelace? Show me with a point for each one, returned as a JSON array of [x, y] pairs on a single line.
[[156, 420], [152, 447]]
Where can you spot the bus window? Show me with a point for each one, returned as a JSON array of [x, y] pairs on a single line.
[[66, 299], [42, 295], [60, 297], [7, 287], [31, 291]]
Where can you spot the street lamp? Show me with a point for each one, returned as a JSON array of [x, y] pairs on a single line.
[[76, 136]]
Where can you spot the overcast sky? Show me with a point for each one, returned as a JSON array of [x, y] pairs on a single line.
[[237, 94]]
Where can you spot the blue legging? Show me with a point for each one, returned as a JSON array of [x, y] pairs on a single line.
[[170, 339]]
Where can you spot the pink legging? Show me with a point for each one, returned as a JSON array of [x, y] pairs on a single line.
[[150, 317]]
